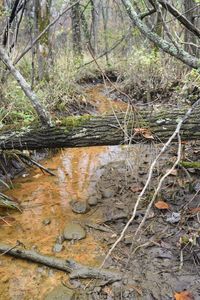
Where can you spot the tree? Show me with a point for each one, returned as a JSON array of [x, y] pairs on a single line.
[[190, 39], [166, 46], [41, 21], [76, 28], [41, 112]]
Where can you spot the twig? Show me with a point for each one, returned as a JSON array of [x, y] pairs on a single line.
[[6, 201], [115, 45], [160, 184], [27, 159], [9, 249]]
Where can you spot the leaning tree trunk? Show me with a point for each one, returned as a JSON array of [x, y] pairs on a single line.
[[104, 130], [42, 114]]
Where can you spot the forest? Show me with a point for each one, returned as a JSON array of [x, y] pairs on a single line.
[[99, 149]]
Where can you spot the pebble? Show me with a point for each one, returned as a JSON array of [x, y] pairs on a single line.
[[46, 222], [79, 207], [57, 248], [74, 231], [108, 193]]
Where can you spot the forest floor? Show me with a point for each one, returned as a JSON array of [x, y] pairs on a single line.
[[97, 188]]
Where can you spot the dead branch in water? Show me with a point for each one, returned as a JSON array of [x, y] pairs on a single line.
[[28, 160], [74, 269], [8, 202]]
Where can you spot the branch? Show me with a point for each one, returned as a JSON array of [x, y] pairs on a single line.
[[42, 114], [76, 270], [181, 18], [147, 13], [166, 46]]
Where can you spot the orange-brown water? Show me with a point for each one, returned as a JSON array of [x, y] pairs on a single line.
[[47, 197], [103, 103]]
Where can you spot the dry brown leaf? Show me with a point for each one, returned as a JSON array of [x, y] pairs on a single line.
[[185, 295], [108, 291], [162, 205], [173, 172], [146, 133], [136, 189], [194, 210]]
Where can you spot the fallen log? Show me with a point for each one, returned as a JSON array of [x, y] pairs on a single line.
[[74, 269], [103, 130]]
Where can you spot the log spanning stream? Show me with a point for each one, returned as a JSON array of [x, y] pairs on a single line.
[[46, 212]]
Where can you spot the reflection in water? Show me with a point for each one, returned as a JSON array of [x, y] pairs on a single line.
[[46, 197]]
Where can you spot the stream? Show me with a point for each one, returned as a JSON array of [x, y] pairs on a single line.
[[47, 210], [105, 182]]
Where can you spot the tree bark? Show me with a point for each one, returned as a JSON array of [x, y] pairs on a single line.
[[42, 114], [104, 130], [76, 29], [166, 46], [44, 51]]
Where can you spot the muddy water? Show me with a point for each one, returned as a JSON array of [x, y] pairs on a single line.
[[98, 97], [47, 199]]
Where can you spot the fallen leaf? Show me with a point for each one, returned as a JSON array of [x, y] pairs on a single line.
[[146, 133], [136, 189], [185, 295], [194, 210], [162, 205], [107, 290], [173, 172]]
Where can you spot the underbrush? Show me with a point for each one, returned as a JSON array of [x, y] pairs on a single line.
[[143, 74], [151, 76], [59, 93]]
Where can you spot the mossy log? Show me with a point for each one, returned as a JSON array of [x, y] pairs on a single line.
[[103, 130]]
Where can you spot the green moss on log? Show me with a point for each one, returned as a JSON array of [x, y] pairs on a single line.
[[190, 164], [74, 121]]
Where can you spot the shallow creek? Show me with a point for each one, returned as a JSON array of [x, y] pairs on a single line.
[[45, 199]]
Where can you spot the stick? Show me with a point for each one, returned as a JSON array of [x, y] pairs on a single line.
[[32, 161], [76, 270]]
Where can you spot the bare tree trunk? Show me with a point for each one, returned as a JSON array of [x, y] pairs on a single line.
[[87, 32], [105, 9], [10, 20], [189, 38], [42, 114], [76, 29], [94, 26], [41, 21], [166, 46]]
